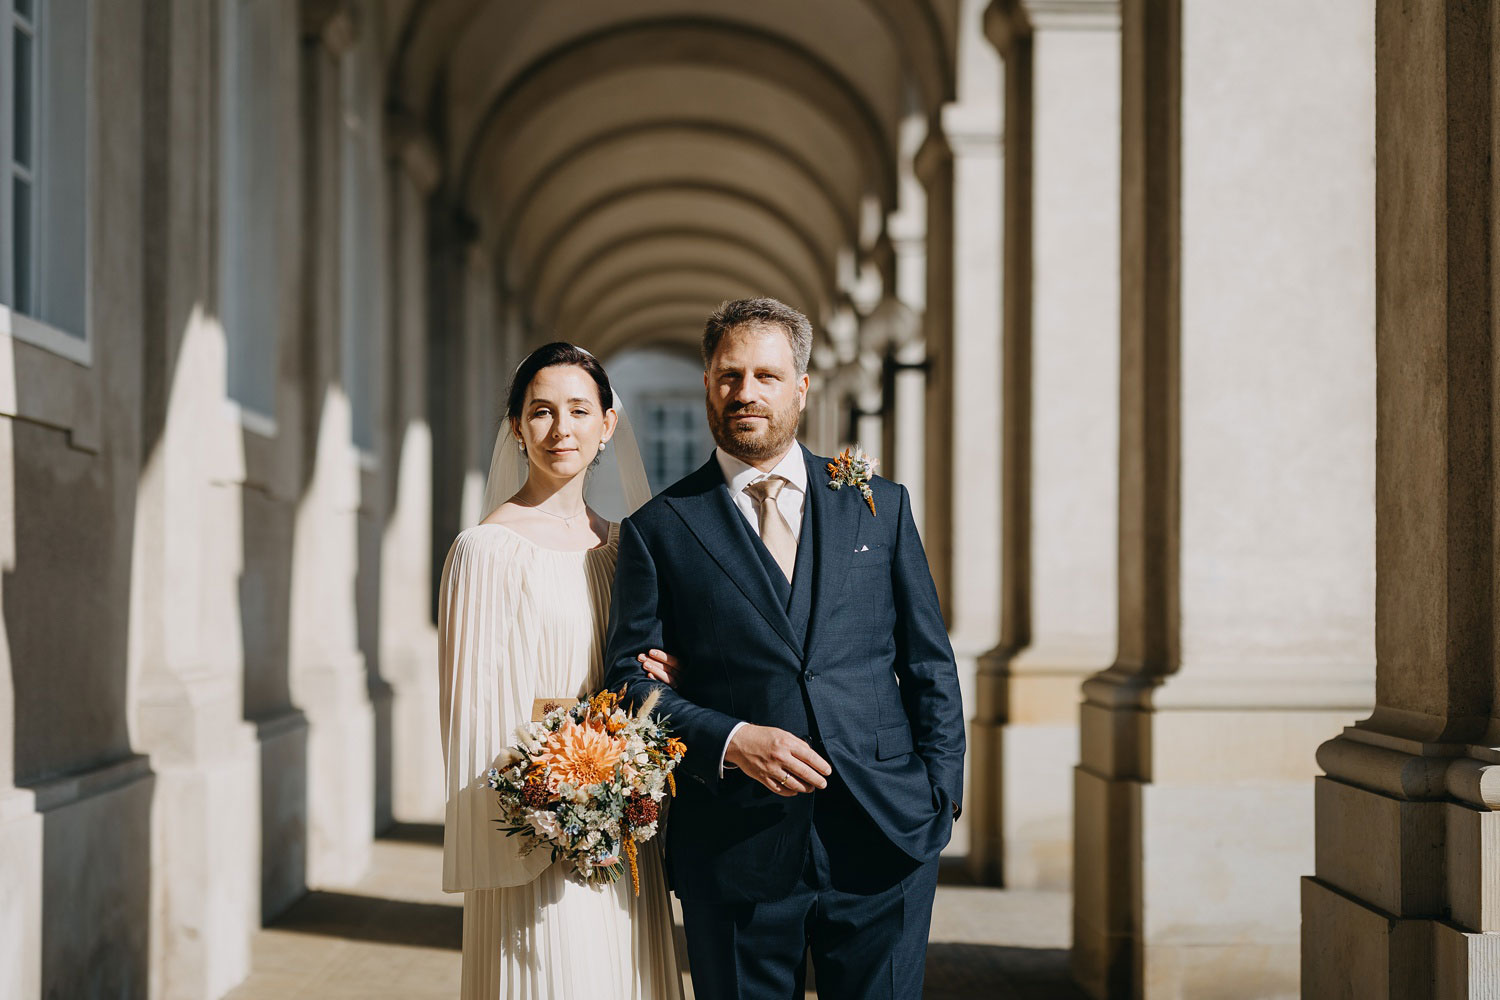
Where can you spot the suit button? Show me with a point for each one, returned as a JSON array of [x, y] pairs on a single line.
[[811, 676]]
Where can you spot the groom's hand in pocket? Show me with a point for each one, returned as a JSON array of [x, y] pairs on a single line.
[[662, 666], [777, 759]]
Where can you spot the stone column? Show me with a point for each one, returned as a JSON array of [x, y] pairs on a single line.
[[482, 404], [1406, 899], [187, 691], [449, 236], [819, 425], [407, 635], [328, 675], [893, 355], [20, 823], [904, 383], [1062, 426], [1247, 470], [960, 167]]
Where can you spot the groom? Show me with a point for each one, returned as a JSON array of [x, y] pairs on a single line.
[[817, 694]]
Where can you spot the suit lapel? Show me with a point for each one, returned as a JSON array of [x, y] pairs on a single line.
[[709, 513], [835, 525], [799, 608]]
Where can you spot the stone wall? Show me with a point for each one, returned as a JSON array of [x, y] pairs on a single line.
[[206, 706]]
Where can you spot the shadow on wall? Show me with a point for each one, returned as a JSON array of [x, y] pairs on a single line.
[[371, 527], [267, 523], [66, 610]]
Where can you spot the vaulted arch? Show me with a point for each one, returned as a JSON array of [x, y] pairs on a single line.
[[725, 219], [660, 248], [684, 41]]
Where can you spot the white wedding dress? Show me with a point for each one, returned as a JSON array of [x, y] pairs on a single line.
[[517, 621]]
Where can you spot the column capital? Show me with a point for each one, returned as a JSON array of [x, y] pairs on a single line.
[[932, 155], [1007, 21], [956, 131], [331, 22], [407, 142]]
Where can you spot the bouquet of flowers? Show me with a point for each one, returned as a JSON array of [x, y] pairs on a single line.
[[588, 782]]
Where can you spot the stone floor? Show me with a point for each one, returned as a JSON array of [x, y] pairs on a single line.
[[396, 935]]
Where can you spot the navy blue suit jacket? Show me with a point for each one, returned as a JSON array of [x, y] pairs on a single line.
[[855, 654]]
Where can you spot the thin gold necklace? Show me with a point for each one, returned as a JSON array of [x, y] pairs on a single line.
[[566, 519]]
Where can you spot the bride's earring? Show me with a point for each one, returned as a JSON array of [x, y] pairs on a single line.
[[603, 445], [521, 445]]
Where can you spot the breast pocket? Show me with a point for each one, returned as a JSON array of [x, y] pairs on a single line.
[[871, 556]]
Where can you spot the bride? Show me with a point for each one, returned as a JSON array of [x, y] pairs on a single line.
[[521, 619]]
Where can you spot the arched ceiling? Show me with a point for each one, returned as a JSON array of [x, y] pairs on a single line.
[[630, 165]]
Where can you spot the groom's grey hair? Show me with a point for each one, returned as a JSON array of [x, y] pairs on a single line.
[[759, 312]]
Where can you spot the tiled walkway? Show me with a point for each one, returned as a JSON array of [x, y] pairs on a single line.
[[396, 935]]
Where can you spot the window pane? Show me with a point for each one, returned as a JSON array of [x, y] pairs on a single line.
[[23, 99], [61, 196], [21, 247], [250, 269], [25, 9]]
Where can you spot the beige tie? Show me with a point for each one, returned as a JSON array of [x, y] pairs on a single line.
[[774, 531]]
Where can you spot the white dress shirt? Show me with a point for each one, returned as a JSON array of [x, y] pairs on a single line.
[[790, 501]]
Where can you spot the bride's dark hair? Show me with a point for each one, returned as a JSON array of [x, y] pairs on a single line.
[[550, 356]]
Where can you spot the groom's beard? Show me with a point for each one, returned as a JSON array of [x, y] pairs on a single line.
[[756, 442]]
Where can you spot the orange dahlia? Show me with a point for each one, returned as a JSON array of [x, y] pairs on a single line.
[[579, 755]]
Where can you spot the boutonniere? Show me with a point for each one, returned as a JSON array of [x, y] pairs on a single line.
[[853, 468]]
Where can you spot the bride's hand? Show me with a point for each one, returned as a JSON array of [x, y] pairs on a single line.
[[660, 665]]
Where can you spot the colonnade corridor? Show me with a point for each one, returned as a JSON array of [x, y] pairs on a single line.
[[394, 935], [1176, 318]]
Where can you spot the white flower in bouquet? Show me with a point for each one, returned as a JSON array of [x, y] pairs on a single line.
[[544, 822]]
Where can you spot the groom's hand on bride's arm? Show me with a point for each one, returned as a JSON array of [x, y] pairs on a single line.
[[660, 665], [777, 759]]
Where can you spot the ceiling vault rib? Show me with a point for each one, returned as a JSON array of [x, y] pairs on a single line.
[[686, 41], [567, 319], [548, 245], [794, 278], [620, 133]]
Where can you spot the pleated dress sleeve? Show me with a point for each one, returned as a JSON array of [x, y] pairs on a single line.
[[485, 690]]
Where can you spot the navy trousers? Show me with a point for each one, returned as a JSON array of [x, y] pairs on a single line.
[[861, 908]]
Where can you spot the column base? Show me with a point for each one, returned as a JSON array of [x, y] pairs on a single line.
[[20, 895], [1468, 964], [417, 753], [978, 768], [1351, 951], [283, 811], [1188, 891], [1186, 883], [1106, 884], [205, 870], [1404, 901], [1025, 749], [88, 881], [382, 706], [340, 779]]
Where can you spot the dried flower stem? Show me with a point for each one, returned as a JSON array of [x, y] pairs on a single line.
[[630, 855]]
